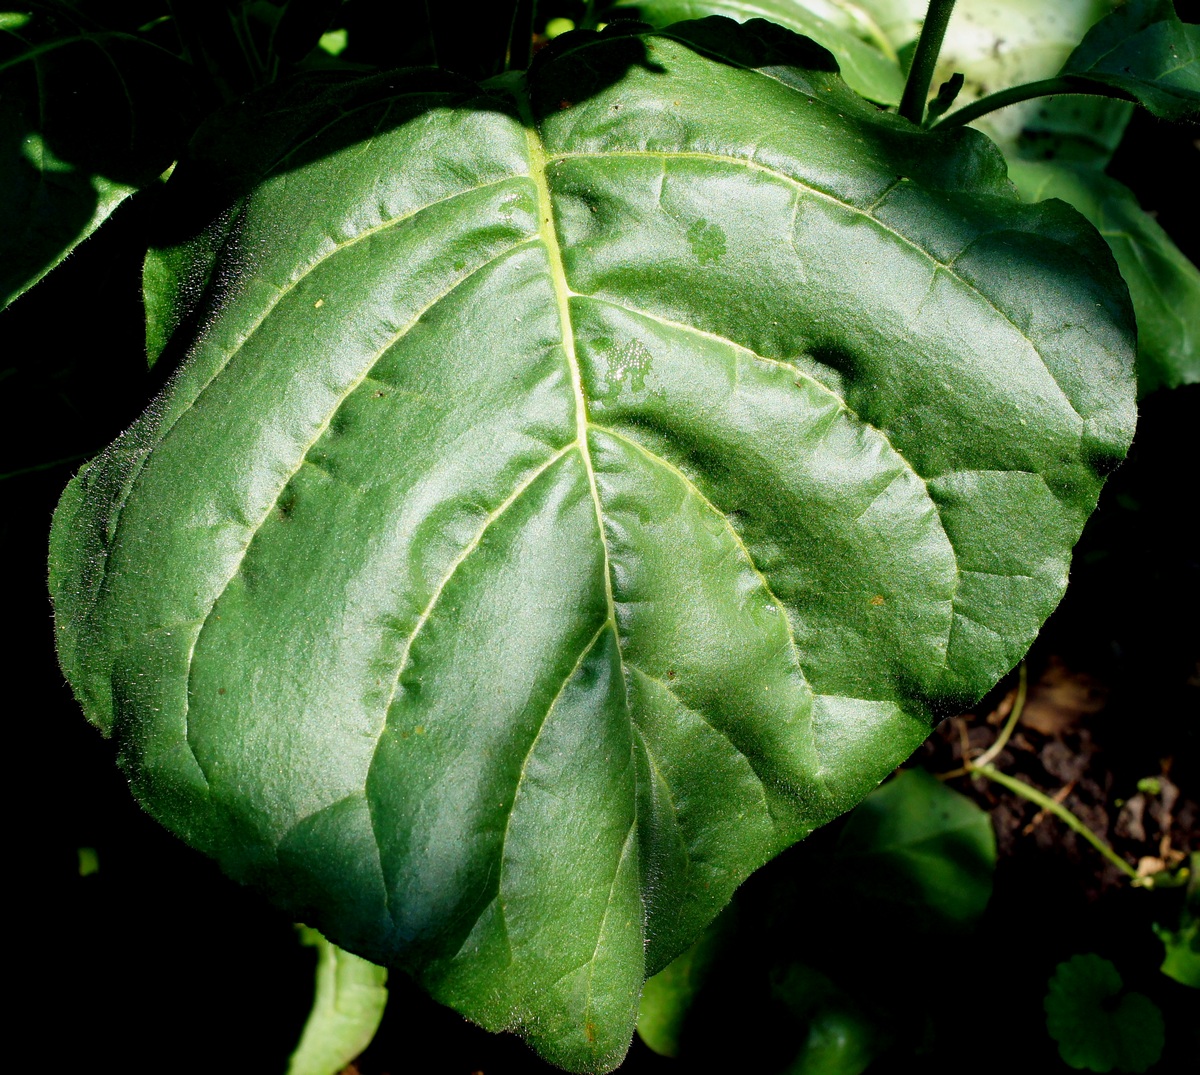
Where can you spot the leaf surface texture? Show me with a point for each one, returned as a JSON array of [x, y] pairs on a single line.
[[577, 491]]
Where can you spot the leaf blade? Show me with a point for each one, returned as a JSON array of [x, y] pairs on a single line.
[[545, 533], [347, 1009], [1145, 50]]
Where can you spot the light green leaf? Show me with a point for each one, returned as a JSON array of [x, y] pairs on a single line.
[[576, 492], [1164, 285], [1143, 49], [919, 848], [899, 21], [1000, 44], [334, 42], [867, 61], [1182, 958], [347, 1009], [87, 116], [1096, 1025]]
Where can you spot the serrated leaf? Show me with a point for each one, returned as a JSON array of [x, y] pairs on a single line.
[[1144, 49], [867, 61], [578, 491], [1163, 283], [87, 115], [1096, 1025]]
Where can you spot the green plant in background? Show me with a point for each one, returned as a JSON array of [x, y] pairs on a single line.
[[581, 479], [913, 862], [1182, 944], [1097, 1025], [350, 998]]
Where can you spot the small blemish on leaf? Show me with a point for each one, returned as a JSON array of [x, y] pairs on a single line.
[[220, 690], [708, 242], [627, 365], [419, 729], [286, 505], [877, 599], [318, 304]]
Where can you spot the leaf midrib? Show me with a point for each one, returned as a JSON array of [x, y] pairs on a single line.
[[562, 296]]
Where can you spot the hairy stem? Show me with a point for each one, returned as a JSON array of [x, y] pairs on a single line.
[[929, 45], [1047, 87]]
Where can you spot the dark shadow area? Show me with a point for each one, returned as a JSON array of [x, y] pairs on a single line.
[[78, 101]]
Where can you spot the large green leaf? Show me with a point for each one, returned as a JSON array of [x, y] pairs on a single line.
[[913, 856], [867, 60], [576, 492], [1164, 284], [88, 113]]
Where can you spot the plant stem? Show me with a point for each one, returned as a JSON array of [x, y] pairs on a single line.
[[433, 43], [1010, 724], [1059, 811], [520, 36], [1047, 87], [929, 45]]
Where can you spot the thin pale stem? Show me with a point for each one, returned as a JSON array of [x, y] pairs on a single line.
[[1006, 732], [925, 58], [1047, 87], [1059, 811]]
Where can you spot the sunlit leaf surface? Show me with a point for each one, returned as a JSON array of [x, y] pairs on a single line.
[[574, 493]]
